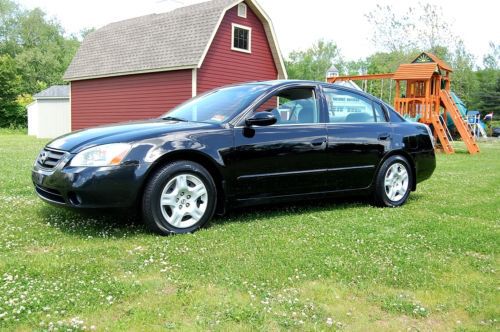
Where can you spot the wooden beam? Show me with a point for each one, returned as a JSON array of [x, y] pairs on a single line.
[[360, 77]]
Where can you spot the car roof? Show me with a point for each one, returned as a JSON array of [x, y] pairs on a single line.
[[278, 83]]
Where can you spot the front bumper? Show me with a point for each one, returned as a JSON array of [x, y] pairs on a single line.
[[90, 187]]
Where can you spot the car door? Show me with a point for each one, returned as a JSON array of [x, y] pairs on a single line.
[[285, 158], [358, 137]]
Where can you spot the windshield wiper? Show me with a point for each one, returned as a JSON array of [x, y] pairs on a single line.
[[173, 118]]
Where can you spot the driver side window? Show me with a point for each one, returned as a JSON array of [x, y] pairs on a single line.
[[293, 106]]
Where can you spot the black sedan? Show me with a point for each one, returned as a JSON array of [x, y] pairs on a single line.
[[240, 145]]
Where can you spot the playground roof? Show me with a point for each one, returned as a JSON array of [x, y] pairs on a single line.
[[441, 63], [415, 71]]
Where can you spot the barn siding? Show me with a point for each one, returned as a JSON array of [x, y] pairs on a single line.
[[224, 66], [135, 97], [125, 98]]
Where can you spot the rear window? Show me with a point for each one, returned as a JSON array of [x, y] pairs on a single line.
[[348, 107], [393, 115]]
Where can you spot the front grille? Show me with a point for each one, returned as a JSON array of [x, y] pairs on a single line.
[[49, 158]]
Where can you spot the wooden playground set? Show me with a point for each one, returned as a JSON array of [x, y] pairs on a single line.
[[422, 89]]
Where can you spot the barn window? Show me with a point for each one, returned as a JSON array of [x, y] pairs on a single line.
[[242, 38], [242, 10]]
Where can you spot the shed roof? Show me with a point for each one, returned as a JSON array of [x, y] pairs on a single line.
[[178, 39], [53, 92], [332, 68], [415, 71]]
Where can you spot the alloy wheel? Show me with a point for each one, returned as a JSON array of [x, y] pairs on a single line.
[[184, 200], [396, 182]]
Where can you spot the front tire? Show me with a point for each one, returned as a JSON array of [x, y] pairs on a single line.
[[179, 198], [393, 183]]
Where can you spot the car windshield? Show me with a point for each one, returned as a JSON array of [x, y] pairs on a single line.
[[217, 106]]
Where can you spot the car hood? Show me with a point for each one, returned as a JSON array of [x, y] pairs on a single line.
[[123, 133]]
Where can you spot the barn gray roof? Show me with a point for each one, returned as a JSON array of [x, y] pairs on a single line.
[[55, 91], [158, 42]]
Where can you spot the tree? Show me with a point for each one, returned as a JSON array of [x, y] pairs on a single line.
[[433, 32], [45, 52], [11, 114], [313, 63], [486, 97], [354, 67], [423, 28], [492, 59], [85, 32], [385, 62], [464, 81], [9, 14], [37, 52], [391, 31]]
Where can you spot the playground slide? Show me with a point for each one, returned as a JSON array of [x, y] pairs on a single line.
[[481, 128], [460, 104], [463, 111]]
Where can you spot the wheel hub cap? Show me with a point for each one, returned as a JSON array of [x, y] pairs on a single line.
[[396, 182], [184, 200]]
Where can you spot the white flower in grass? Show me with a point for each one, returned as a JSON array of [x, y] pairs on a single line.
[[109, 298], [329, 321]]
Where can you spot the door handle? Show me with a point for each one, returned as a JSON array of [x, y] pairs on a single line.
[[318, 142], [384, 136]]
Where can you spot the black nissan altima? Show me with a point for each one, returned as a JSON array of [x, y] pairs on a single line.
[[240, 145]]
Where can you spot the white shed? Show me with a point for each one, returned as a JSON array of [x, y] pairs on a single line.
[[49, 115]]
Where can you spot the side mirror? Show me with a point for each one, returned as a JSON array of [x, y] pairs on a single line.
[[261, 119]]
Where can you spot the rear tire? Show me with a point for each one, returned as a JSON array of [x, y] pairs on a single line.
[[179, 198], [393, 182]]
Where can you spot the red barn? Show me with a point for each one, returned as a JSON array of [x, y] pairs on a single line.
[[142, 67]]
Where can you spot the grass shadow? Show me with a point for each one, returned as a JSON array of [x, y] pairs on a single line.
[[121, 223], [304, 206], [416, 196], [461, 151], [116, 223]]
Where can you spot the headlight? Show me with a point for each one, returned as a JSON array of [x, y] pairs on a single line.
[[102, 155]]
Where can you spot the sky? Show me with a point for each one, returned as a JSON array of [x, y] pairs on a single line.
[[298, 24]]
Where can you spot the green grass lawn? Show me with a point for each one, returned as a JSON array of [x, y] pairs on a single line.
[[330, 265]]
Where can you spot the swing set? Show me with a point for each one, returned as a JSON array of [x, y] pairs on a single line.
[[422, 93]]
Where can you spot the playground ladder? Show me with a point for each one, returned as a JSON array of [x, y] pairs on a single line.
[[446, 128], [459, 122], [441, 134]]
